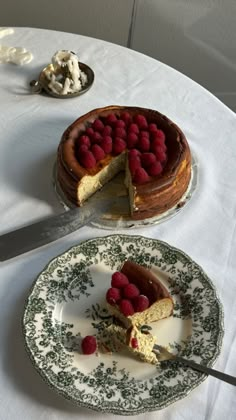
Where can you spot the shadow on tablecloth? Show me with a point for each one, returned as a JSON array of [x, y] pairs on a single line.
[[25, 378]]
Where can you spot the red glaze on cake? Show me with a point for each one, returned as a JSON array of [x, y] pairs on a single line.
[[149, 147]]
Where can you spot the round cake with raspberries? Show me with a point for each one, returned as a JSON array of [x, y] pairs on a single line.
[[137, 297], [151, 150]]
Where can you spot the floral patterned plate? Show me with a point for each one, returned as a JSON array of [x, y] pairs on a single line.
[[67, 303]]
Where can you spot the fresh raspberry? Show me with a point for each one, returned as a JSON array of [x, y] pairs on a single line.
[[89, 344], [141, 121], [87, 159], [126, 117], [97, 137], [158, 149], [120, 124], [131, 140], [89, 131], [141, 303], [98, 125], [106, 144], [133, 128], [148, 159], [134, 153], [144, 134], [98, 152], [152, 127], [119, 280], [134, 163], [134, 343], [140, 176], [118, 146], [126, 307], [143, 144], [111, 119], [84, 140], [154, 169], [113, 295], [157, 142], [131, 291], [120, 132], [160, 155], [83, 148], [107, 131], [160, 134]]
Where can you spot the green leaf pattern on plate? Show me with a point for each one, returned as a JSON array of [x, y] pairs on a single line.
[[52, 344]]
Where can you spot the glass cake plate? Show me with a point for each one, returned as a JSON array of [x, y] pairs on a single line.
[[119, 216], [67, 302]]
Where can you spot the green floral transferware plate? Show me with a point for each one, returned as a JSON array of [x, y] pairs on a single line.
[[67, 303]]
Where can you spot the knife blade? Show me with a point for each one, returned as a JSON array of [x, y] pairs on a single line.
[[33, 236]]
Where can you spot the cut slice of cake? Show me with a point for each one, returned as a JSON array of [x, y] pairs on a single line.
[[115, 338], [137, 297]]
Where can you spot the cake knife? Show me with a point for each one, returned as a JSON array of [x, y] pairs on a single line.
[[33, 236]]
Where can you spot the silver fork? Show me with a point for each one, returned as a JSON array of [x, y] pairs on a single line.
[[163, 354]]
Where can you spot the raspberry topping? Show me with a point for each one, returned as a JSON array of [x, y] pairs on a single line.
[[89, 131], [160, 155], [131, 140], [82, 148], [133, 128], [131, 291], [144, 134], [89, 344], [152, 127], [148, 159], [141, 121], [140, 303], [134, 163], [134, 153], [107, 130], [144, 144], [87, 159], [98, 152], [98, 125], [120, 124], [155, 169], [126, 117], [111, 119], [160, 134], [140, 176], [97, 137], [119, 280], [126, 307], [114, 134], [84, 140], [120, 132], [134, 343], [106, 144], [113, 295], [157, 142], [119, 146]]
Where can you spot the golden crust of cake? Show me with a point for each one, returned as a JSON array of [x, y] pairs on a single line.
[[152, 198]]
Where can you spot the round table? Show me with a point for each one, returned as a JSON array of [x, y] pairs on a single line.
[[31, 127]]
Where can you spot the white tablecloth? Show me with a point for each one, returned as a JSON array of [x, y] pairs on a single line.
[[30, 129]]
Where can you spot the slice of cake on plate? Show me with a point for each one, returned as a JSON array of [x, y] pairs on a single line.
[[136, 298]]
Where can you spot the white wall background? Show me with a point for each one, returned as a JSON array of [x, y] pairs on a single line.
[[197, 37]]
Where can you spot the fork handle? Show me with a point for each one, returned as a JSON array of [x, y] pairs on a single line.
[[220, 375]]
